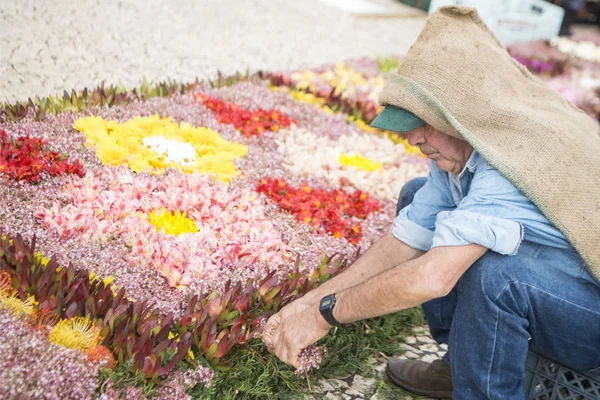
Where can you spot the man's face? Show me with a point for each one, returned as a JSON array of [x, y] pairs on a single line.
[[449, 153]]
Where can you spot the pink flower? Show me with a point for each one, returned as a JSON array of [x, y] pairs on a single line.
[[233, 231]]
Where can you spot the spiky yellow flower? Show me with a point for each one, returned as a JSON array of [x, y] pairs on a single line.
[[359, 162], [75, 333], [17, 306], [173, 223]]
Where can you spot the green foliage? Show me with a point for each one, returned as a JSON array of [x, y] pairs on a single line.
[[211, 326], [351, 347], [388, 64], [254, 373], [102, 96], [123, 376], [224, 81]]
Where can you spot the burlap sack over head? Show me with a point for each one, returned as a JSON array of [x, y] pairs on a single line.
[[459, 78]]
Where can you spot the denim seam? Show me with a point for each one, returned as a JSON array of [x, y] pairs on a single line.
[[489, 377], [538, 251], [557, 297]]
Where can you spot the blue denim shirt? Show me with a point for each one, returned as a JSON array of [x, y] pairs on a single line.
[[477, 206]]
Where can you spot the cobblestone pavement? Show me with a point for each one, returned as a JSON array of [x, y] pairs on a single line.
[[47, 47], [419, 346]]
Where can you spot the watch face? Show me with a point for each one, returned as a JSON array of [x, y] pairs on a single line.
[[326, 302]]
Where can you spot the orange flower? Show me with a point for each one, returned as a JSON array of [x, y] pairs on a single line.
[[5, 281], [101, 353]]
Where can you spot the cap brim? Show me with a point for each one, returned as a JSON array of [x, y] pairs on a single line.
[[397, 119]]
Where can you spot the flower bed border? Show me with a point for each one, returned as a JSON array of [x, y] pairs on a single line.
[[210, 326]]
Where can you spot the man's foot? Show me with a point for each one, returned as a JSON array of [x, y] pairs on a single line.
[[420, 377]]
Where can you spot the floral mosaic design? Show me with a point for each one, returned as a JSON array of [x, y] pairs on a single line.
[[184, 226], [153, 144], [170, 224]]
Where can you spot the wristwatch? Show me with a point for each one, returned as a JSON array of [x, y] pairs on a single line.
[[326, 309]]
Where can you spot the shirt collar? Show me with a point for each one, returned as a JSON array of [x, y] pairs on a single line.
[[470, 165]]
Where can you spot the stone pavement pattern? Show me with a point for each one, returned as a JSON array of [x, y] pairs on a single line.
[[419, 346], [47, 47]]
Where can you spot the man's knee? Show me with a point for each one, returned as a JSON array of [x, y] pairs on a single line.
[[491, 274]]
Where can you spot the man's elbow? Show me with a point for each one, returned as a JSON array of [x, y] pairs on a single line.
[[441, 288], [432, 287], [437, 284]]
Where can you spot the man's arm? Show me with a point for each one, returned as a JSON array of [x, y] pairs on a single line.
[[386, 253], [414, 282], [428, 277]]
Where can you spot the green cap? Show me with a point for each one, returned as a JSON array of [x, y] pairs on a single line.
[[397, 120]]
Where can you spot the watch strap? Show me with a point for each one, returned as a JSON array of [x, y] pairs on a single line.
[[326, 308]]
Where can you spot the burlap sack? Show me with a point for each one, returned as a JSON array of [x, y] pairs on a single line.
[[461, 80]]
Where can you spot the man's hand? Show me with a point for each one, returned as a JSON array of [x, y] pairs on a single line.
[[273, 323], [294, 328]]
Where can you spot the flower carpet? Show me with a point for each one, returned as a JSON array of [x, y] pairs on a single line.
[[146, 235]]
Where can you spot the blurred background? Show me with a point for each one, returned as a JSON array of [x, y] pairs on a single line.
[[48, 47]]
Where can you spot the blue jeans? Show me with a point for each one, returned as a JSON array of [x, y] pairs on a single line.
[[542, 293]]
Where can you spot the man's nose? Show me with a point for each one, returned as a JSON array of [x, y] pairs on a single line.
[[415, 137]]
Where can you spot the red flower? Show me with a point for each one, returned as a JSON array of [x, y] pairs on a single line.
[[325, 211], [250, 123], [25, 159]]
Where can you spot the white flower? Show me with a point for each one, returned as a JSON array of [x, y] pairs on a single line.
[[307, 154], [174, 151]]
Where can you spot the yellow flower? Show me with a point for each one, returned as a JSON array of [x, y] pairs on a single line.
[[153, 144], [398, 140], [172, 223], [15, 305], [359, 162], [111, 153], [310, 98], [41, 259], [390, 135], [75, 333], [106, 280]]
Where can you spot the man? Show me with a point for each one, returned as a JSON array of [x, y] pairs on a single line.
[[500, 245]]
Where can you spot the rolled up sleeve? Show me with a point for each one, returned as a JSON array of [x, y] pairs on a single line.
[[411, 233], [490, 215], [460, 228], [415, 223]]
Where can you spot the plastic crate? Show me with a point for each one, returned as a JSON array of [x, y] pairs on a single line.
[[549, 380], [514, 21]]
